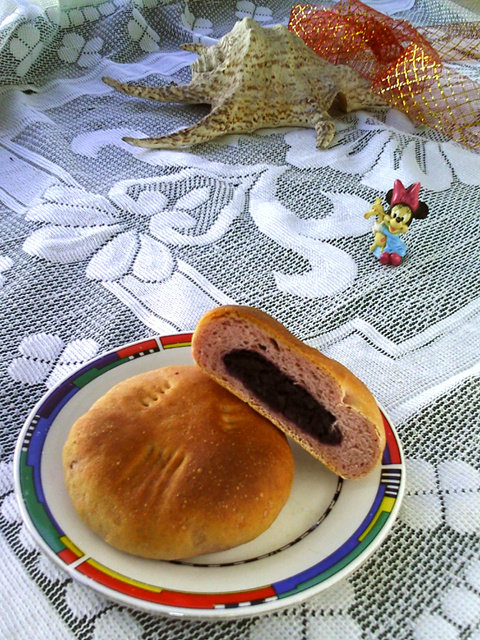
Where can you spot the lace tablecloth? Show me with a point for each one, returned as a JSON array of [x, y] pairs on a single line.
[[103, 244]]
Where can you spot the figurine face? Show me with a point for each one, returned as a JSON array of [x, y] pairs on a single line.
[[398, 219]]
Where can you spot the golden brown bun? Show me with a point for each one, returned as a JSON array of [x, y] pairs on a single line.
[[170, 465], [349, 440]]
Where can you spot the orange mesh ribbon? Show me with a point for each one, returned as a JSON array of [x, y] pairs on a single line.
[[402, 64]]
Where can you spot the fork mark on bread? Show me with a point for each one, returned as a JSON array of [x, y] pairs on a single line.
[[152, 479], [155, 394], [229, 417]]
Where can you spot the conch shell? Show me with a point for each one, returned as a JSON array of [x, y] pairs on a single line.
[[254, 78]]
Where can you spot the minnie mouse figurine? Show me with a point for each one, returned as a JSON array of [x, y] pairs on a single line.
[[388, 247]]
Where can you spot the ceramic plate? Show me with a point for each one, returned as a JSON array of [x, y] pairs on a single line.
[[325, 531]]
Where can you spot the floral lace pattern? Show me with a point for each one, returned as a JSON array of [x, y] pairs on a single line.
[[75, 49], [46, 358], [104, 243], [395, 143]]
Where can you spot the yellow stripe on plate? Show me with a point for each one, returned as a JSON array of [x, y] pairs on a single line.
[[177, 344], [386, 505], [120, 576], [70, 545]]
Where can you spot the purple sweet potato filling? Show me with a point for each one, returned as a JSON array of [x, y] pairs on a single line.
[[281, 395]]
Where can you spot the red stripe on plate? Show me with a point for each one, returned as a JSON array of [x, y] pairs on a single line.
[[179, 338], [391, 443], [68, 556], [173, 598], [137, 348], [116, 584], [209, 600]]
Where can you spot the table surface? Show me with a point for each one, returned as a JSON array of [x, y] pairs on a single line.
[[103, 244]]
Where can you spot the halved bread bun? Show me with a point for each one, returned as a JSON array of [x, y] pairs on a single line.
[[315, 400]]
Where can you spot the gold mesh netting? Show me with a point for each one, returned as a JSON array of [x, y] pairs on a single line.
[[405, 65]]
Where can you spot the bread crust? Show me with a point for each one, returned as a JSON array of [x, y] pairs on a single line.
[[347, 398], [170, 465]]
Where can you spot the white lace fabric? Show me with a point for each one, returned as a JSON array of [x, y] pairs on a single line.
[[103, 243]]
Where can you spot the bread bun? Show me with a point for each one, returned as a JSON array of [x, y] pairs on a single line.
[[170, 465], [313, 399]]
